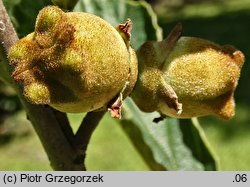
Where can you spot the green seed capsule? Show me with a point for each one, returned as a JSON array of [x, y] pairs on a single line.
[[186, 77], [74, 62]]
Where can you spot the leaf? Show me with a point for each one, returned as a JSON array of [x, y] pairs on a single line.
[[164, 139], [118, 11], [23, 14], [65, 4], [198, 143]]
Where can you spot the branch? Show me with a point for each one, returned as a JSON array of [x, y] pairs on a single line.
[[55, 142], [85, 131], [65, 126], [8, 35]]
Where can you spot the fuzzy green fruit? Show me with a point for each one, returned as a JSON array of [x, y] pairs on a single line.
[[185, 77], [75, 62]]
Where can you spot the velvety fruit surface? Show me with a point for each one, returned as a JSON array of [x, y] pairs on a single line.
[[74, 62]]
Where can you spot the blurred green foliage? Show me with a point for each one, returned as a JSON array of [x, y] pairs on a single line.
[[23, 14]]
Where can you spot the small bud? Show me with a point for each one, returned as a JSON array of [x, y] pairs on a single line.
[[185, 77], [74, 62]]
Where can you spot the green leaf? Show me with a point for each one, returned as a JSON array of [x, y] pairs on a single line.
[[164, 139], [195, 138], [23, 14], [144, 20], [65, 4]]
